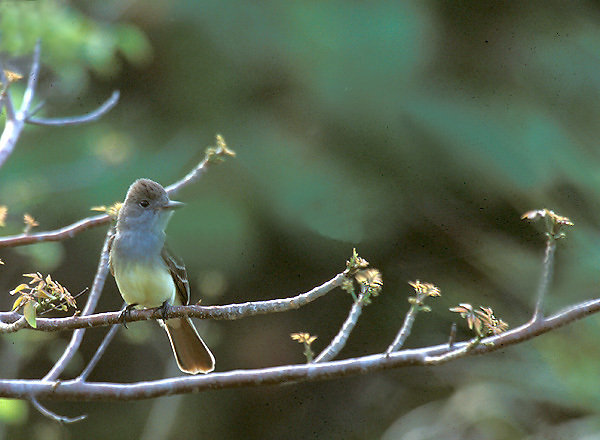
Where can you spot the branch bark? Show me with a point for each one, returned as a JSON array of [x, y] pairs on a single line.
[[86, 391], [226, 312]]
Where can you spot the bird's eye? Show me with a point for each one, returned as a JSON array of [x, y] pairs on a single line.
[[144, 203]]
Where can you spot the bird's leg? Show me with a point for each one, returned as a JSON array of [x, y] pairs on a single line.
[[125, 313], [164, 309]]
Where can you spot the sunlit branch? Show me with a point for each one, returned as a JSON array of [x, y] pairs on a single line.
[[89, 308], [31, 82], [545, 279], [336, 345], [76, 120], [57, 235], [213, 155], [15, 326], [51, 415], [226, 312], [5, 97], [79, 390], [98, 354], [16, 120]]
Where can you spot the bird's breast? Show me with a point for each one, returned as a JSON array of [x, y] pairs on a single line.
[[145, 285]]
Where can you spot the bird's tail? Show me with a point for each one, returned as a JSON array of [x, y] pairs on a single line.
[[191, 353]]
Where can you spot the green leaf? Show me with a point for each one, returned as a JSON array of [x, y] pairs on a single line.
[[17, 303], [19, 288], [29, 313]]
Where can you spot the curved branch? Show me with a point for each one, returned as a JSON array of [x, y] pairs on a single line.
[[53, 416], [5, 97], [212, 155], [31, 81], [91, 222], [76, 120], [338, 342], [78, 390], [94, 296], [227, 312], [98, 354], [19, 323], [545, 279], [57, 235]]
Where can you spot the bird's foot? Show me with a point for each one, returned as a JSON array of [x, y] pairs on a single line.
[[164, 309], [125, 314]]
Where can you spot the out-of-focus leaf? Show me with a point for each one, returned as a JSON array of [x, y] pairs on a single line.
[[44, 256], [133, 44], [71, 42], [13, 411]]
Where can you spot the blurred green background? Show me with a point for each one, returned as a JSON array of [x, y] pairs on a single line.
[[416, 131]]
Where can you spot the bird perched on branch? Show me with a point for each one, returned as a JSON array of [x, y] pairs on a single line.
[[148, 275]]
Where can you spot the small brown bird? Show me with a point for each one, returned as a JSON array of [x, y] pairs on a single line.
[[148, 276]]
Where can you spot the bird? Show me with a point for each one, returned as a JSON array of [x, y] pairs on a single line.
[[148, 275]]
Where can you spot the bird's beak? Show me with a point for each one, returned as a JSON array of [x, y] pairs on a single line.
[[173, 204]]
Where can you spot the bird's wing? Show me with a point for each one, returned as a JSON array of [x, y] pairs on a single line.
[[179, 274], [110, 244]]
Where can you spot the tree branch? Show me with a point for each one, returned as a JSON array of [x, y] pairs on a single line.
[[98, 354], [405, 330], [91, 222], [89, 308], [16, 120], [336, 345], [13, 326], [31, 81], [78, 390], [5, 97], [51, 415], [227, 312], [57, 235], [76, 120], [545, 279], [213, 155]]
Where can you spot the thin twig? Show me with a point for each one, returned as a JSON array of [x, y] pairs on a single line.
[[5, 95], [227, 312], [213, 155], [452, 337], [40, 105], [89, 308], [336, 345], [57, 235], [452, 355], [76, 120], [71, 230], [51, 415], [545, 279], [31, 82], [404, 331], [190, 177], [15, 121], [12, 127], [99, 352]]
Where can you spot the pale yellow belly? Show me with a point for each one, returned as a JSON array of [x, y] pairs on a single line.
[[145, 286]]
